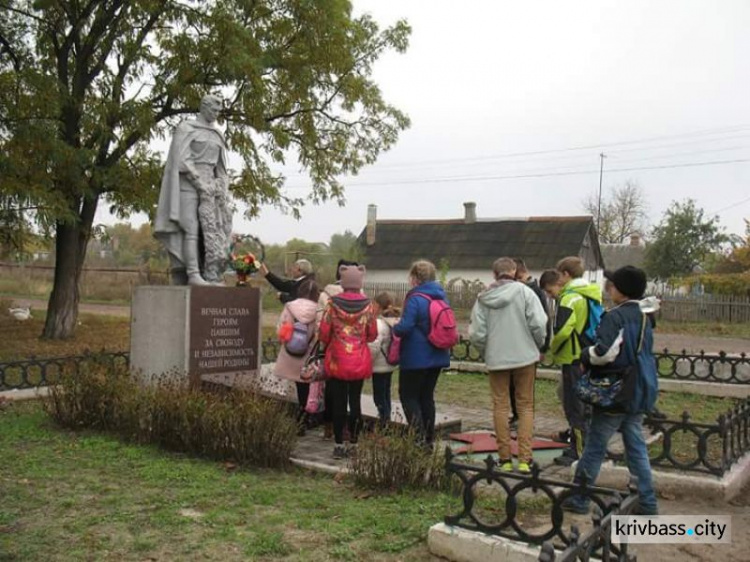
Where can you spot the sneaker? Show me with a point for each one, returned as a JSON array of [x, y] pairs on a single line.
[[563, 436], [524, 468], [567, 458], [574, 505], [640, 510], [506, 466], [657, 414], [339, 452]]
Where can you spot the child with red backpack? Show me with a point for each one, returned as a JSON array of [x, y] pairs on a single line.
[[385, 355], [428, 331], [347, 325]]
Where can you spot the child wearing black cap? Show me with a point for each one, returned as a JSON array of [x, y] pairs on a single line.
[[624, 339]]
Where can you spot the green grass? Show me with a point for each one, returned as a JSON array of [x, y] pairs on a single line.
[[85, 496], [472, 390]]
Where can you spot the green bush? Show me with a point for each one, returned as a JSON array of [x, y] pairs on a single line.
[[719, 284], [240, 426], [394, 459]]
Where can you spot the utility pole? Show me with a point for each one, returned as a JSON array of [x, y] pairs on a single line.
[[602, 156]]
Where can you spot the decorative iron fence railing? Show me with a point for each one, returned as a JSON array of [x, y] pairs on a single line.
[[492, 500], [703, 367], [594, 544], [699, 447], [36, 372]]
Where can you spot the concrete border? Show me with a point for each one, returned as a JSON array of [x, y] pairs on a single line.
[[681, 483], [318, 466], [462, 545], [718, 389], [25, 393]]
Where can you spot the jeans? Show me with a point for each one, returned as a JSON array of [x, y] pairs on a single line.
[[381, 394], [603, 427], [523, 388], [343, 393], [416, 390]]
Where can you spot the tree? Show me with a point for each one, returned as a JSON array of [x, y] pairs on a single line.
[[345, 246], [682, 240], [135, 246], [86, 85], [737, 260], [623, 212]]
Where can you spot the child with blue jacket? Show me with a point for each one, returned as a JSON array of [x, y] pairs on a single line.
[[624, 339]]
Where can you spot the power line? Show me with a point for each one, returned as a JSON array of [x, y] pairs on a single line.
[[539, 175], [598, 146], [383, 170], [736, 204]]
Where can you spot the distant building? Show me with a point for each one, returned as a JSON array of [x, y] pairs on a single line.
[[617, 255], [470, 245]]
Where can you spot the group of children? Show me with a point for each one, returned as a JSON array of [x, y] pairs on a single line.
[[356, 334]]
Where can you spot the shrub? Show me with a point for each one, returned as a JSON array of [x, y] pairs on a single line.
[[241, 426], [395, 459], [719, 284]]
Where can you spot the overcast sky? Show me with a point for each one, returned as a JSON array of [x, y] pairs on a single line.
[[651, 84]]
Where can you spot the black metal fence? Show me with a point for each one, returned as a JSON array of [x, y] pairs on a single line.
[[504, 492], [703, 367], [36, 372], [595, 543], [691, 446]]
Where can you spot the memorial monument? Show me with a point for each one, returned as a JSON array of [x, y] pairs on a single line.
[[196, 326], [194, 200]]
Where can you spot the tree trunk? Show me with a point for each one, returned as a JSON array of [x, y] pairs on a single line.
[[62, 310], [70, 248]]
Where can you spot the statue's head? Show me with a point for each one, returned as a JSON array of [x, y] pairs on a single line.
[[210, 107]]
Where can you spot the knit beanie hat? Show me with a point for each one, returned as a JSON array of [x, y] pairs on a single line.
[[629, 280], [352, 277]]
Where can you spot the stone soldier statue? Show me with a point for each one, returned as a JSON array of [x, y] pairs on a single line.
[[194, 200]]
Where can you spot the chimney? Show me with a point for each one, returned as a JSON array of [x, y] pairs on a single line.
[[635, 239], [470, 212], [372, 219]]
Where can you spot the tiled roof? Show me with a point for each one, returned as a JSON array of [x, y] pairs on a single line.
[[617, 255], [540, 241]]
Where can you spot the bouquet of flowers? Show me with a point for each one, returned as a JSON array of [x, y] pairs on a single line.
[[242, 260]]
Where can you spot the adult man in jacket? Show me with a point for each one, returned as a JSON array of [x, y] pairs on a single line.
[[301, 272], [508, 324], [571, 323]]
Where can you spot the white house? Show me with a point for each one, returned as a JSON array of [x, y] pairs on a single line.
[[469, 245]]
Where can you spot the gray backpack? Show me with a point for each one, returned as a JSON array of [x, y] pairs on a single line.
[[300, 340]]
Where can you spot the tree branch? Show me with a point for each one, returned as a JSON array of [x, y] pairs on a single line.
[[8, 48]]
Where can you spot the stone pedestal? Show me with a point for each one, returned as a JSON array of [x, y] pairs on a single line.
[[194, 331]]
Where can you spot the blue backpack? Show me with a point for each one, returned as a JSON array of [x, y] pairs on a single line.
[[596, 311]]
